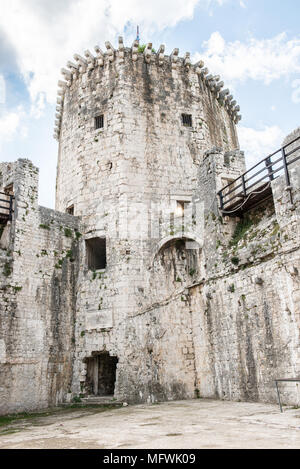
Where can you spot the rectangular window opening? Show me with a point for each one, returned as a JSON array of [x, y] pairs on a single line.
[[70, 210], [99, 122], [9, 190], [181, 207], [186, 120], [96, 253]]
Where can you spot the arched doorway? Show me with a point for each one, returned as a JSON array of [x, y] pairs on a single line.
[[177, 267], [177, 260]]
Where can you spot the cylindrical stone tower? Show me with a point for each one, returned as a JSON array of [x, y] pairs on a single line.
[[133, 127]]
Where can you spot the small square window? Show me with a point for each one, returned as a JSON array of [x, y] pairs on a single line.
[[186, 120], [70, 210], [96, 253], [99, 122]]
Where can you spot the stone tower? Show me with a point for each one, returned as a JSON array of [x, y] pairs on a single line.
[[133, 127]]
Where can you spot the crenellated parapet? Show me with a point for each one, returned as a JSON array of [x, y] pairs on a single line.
[[81, 65]]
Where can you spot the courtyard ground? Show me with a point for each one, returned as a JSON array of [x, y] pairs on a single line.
[[199, 423]]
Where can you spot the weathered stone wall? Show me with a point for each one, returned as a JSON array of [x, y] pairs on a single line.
[[247, 311], [38, 271]]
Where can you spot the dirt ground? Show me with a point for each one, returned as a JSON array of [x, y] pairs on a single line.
[[193, 424]]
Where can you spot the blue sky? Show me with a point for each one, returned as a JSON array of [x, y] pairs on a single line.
[[253, 44]]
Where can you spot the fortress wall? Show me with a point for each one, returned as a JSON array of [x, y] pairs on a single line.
[[38, 271], [246, 315]]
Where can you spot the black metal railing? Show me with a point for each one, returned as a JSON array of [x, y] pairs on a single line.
[[255, 183], [6, 206]]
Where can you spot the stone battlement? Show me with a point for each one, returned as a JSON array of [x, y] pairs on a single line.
[[118, 57]]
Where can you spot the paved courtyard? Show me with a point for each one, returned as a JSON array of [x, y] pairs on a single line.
[[192, 424]]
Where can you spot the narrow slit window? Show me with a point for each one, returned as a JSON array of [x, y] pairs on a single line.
[[186, 120], [99, 122], [179, 208], [96, 253]]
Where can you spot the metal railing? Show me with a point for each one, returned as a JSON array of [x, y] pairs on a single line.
[[238, 192], [287, 380], [6, 206]]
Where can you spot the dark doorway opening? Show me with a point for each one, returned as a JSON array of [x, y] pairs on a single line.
[[96, 253], [101, 374]]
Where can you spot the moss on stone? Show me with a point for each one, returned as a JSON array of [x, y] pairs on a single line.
[[240, 230], [7, 270], [142, 47], [235, 260], [68, 233], [276, 229]]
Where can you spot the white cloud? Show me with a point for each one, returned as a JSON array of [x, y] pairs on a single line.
[[258, 144], [38, 106], [296, 92], [265, 60], [10, 123], [2, 90], [45, 34]]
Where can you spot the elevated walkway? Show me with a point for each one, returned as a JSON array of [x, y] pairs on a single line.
[[254, 186]]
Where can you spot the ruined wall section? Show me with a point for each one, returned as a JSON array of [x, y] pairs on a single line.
[[216, 171], [246, 313], [38, 276]]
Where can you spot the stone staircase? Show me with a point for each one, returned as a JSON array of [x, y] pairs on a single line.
[[95, 401], [100, 400]]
